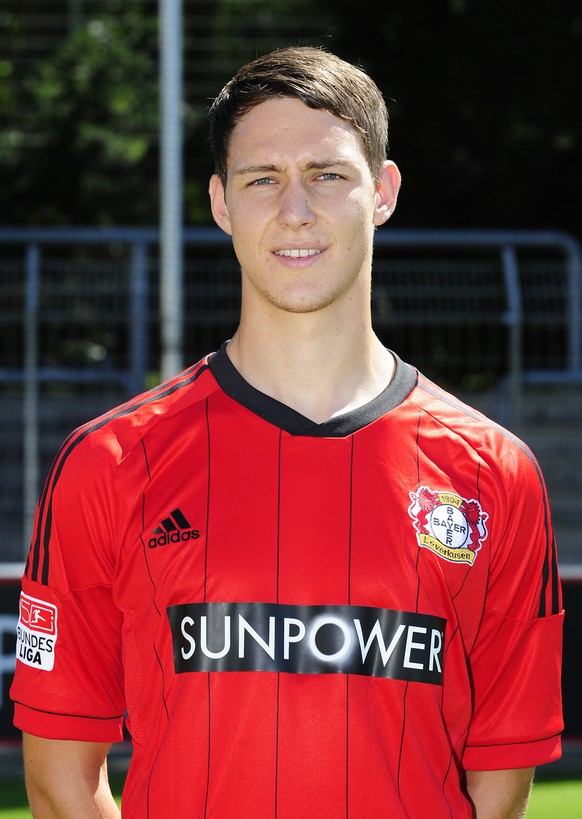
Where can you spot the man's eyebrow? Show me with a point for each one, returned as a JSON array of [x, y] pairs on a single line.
[[334, 162], [315, 165], [255, 169]]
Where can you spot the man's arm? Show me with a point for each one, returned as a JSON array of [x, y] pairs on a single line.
[[500, 794], [67, 779]]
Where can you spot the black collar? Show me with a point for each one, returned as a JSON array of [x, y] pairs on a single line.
[[282, 416]]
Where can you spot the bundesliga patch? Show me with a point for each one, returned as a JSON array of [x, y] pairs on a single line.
[[36, 633], [450, 526]]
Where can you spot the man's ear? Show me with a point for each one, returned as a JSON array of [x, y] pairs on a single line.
[[386, 192], [218, 204]]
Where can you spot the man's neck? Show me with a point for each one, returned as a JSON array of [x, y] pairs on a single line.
[[320, 372]]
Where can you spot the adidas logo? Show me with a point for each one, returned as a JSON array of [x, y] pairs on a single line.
[[173, 529]]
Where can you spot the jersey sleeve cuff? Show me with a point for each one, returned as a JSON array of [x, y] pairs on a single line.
[[520, 755], [62, 726]]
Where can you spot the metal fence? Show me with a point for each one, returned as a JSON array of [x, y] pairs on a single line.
[[494, 316]]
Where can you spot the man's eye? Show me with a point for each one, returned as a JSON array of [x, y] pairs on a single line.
[[264, 180], [328, 175]]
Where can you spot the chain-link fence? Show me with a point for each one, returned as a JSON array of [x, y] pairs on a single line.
[[494, 317]]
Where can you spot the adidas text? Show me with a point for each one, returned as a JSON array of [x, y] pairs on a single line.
[[173, 537]]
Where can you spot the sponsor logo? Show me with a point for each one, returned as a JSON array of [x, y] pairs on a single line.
[[36, 633], [361, 640], [173, 529], [450, 526]]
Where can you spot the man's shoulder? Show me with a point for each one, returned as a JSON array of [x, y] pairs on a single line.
[[471, 426], [120, 429]]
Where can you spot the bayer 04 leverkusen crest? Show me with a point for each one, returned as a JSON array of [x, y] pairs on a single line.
[[450, 526]]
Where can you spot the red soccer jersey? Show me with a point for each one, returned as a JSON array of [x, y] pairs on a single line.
[[300, 619]]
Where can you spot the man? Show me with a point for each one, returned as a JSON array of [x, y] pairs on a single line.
[[319, 585]]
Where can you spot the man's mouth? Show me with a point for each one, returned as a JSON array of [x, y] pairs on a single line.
[[298, 253]]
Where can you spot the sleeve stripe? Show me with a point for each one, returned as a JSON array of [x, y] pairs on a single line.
[[62, 714]]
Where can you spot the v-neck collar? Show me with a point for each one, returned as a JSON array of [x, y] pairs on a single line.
[[293, 422]]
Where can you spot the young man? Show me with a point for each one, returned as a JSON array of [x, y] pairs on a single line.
[[319, 586]]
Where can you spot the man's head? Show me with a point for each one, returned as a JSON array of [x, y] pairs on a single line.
[[315, 77]]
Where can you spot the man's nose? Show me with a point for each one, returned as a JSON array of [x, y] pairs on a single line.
[[295, 208]]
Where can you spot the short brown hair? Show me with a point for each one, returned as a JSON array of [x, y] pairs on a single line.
[[317, 78]]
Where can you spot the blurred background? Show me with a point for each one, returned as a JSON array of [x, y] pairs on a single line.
[[484, 98], [477, 276]]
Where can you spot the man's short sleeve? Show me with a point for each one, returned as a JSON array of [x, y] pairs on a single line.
[[515, 663], [68, 682]]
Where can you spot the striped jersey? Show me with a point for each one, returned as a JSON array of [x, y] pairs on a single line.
[[295, 619]]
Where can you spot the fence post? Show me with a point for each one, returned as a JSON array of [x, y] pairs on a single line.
[[30, 403], [514, 321], [171, 217], [574, 267], [139, 316]]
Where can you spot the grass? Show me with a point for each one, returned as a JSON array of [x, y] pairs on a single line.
[[550, 799], [555, 798]]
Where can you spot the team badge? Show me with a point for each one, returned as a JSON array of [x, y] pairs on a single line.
[[451, 526]]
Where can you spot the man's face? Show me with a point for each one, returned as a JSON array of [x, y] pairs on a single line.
[[301, 206]]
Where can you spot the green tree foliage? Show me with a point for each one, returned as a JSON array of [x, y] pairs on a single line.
[[90, 144]]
